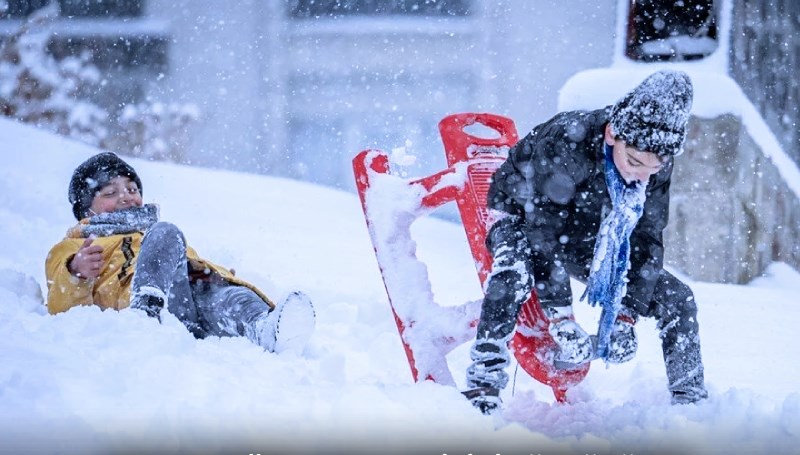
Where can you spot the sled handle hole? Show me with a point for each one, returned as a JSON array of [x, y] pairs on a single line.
[[478, 130]]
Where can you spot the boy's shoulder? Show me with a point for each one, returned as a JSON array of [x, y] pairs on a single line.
[[570, 119], [575, 126]]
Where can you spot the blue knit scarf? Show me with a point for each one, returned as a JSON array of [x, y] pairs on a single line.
[[607, 283]]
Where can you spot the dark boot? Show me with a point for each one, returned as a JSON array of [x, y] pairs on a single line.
[[688, 397], [486, 376], [150, 300], [486, 399]]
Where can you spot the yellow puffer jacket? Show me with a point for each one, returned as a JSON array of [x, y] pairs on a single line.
[[112, 288]]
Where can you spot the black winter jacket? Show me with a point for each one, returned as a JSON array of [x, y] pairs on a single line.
[[554, 183]]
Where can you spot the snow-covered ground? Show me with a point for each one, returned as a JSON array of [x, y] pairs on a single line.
[[88, 381]]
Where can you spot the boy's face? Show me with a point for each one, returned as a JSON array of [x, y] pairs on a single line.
[[633, 164], [119, 193]]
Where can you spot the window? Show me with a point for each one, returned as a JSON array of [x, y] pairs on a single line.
[[302, 9], [129, 62], [122, 52], [79, 8], [660, 30]]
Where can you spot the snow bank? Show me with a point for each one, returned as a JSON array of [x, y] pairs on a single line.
[[88, 381]]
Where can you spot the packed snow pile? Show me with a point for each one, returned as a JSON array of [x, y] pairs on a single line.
[[88, 381]]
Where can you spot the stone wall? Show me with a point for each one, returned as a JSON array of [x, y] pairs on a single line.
[[765, 60], [731, 213]]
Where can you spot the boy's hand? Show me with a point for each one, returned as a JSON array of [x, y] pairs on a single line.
[[87, 261]]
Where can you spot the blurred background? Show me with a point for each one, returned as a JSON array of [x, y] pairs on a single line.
[[296, 88]]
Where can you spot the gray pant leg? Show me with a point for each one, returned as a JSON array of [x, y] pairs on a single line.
[[182, 304], [507, 288], [675, 309], [226, 309], [509, 283], [162, 264], [162, 254]]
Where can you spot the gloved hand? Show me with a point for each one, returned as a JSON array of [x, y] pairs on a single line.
[[623, 343], [574, 344]]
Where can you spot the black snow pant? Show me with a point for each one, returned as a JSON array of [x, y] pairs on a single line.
[[210, 307], [510, 283]]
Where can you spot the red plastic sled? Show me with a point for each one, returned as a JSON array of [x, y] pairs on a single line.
[[391, 204]]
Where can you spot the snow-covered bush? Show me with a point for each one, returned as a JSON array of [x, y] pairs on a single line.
[[38, 89], [53, 94], [154, 130]]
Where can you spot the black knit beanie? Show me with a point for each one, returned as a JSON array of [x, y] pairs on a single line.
[[92, 175], [653, 116]]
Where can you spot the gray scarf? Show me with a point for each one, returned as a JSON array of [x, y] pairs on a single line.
[[134, 219]]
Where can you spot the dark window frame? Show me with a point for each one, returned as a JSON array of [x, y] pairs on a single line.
[[313, 9], [669, 30], [18, 9]]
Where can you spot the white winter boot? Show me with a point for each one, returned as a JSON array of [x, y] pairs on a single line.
[[287, 327]]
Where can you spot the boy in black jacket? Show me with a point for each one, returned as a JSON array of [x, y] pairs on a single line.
[[586, 195]]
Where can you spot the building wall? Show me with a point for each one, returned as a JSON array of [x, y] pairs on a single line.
[[741, 219], [765, 62], [217, 60], [540, 45], [300, 98]]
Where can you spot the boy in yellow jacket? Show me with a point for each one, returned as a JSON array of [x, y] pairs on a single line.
[[120, 255]]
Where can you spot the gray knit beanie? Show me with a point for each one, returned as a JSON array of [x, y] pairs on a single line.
[[92, 175], [653, 116]]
